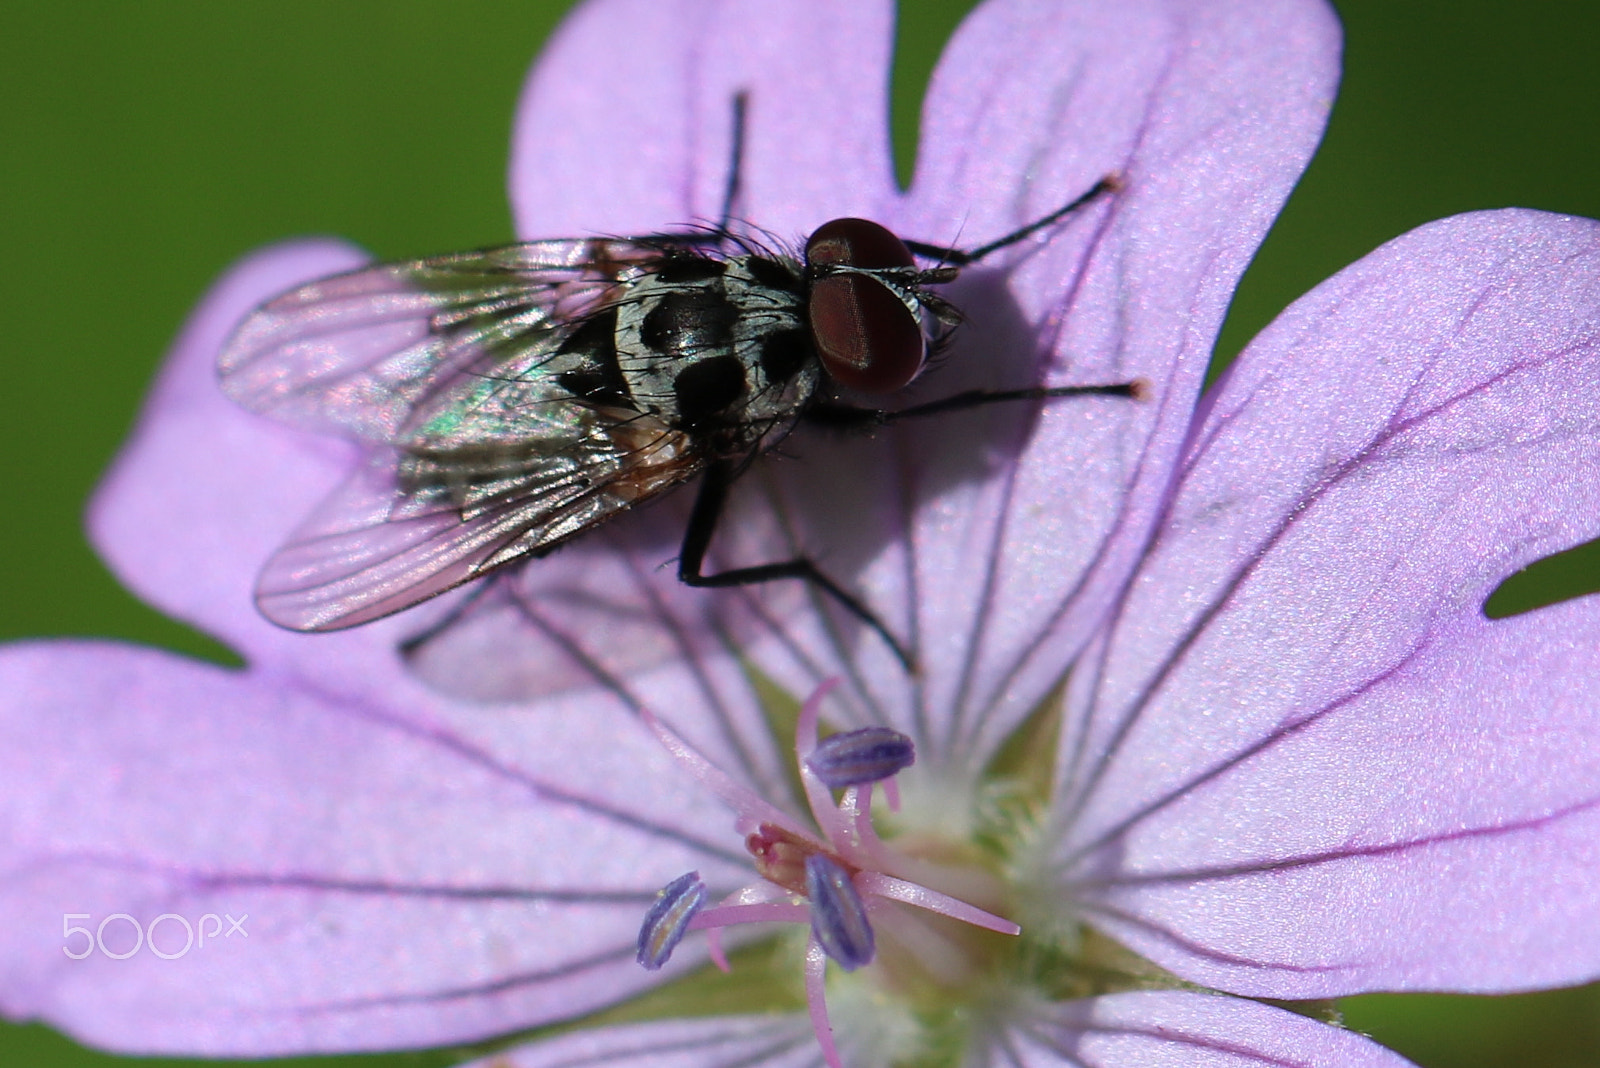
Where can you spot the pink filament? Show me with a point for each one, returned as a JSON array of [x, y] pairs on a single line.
[[880, 885], [817, 1005], [749, 806]]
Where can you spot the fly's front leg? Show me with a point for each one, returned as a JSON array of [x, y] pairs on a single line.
[[956, 257], [708, 506]]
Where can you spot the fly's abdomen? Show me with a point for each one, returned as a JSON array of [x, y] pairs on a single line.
[[718, 349]]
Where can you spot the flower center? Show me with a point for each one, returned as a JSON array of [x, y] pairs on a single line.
[[918, 923]]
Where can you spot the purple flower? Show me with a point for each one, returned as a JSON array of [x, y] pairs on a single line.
[[1206, 698]]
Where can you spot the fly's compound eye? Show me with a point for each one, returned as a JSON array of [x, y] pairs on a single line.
[[866, 336], [856, 243]]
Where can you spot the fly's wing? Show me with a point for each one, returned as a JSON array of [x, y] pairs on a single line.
[[483, 377], [408, 526], [357, 353]]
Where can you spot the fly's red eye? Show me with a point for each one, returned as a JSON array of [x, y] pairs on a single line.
[[865, 335], [867, 339], [857, 243]]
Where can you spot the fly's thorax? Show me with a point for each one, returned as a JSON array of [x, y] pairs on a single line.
[[717, 348]]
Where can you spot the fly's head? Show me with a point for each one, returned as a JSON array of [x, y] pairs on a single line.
[[866, 302]]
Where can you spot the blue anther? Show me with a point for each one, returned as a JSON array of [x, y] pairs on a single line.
[[668, 919], [857, 757], [838, 918]]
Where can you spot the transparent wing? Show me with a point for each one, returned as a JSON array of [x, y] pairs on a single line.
[[361, 353], [408, 526], [498, 433]]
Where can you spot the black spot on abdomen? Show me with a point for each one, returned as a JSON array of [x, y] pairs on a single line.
[[599, 380], [689, 323], [783, 353], [706, 389]]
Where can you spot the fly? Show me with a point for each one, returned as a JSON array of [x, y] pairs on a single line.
[[515, 398]]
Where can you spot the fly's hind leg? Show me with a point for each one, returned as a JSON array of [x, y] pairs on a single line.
[[708, 506]]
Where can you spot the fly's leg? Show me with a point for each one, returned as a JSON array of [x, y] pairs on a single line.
[[950, 259], [714, 489], [955, 257], [411, 645], [847, 416], [730, 192], [708, 505], [722, 232]]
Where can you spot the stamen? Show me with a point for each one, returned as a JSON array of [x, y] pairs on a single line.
[[817, 1003], [751, 808], [838, 918], [668, 919], [855, 810], [881, 885], [861, 756], [833, 822], [761, 903]]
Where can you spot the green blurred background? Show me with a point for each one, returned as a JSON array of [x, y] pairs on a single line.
[[144, 147]]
